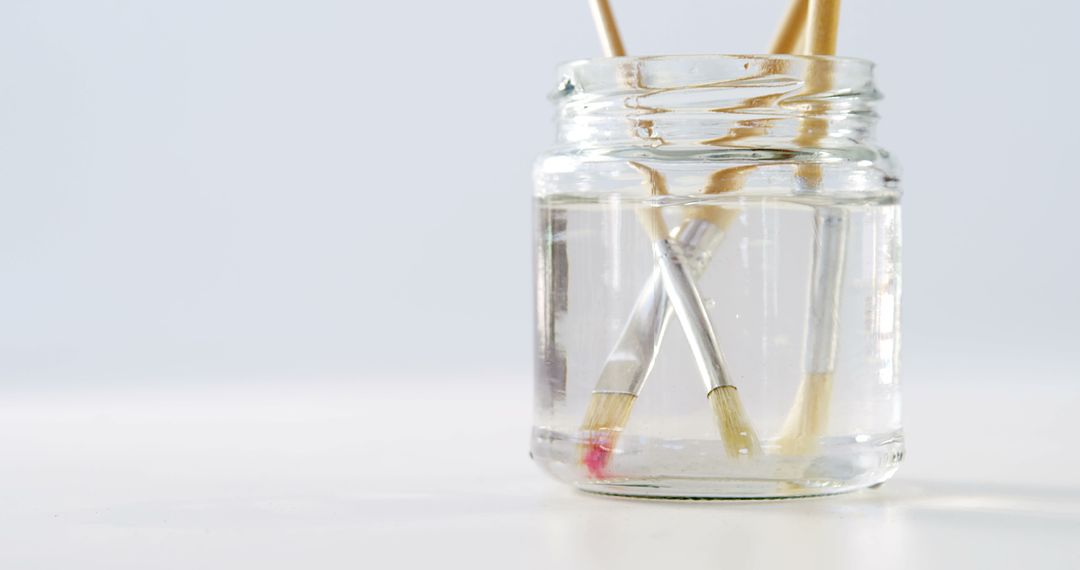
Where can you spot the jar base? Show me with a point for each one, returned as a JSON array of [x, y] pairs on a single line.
[[698, 469], [722, 489]]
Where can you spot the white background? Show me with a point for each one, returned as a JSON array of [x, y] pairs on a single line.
[[265, 288], [293, 190]]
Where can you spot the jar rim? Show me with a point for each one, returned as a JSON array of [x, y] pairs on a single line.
[[699, 100], [649, 74], [718, 57]]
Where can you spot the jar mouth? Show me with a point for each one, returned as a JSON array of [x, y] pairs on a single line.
[[672, 102], [608, 75], [727, 57]]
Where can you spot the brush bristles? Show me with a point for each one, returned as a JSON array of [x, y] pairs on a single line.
[[809, 416], [735, 430], [605, 419]]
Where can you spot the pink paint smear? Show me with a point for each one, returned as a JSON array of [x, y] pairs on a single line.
[[596, 459]]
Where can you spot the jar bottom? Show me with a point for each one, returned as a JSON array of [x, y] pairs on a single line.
[[698, 469]]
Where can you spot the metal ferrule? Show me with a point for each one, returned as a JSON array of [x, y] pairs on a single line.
[[830, 237], [698, 239], [632, 358], [686, 301]]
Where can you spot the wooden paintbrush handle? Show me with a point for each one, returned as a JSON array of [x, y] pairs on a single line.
[[606, 27], [791, 29], [823, 17]]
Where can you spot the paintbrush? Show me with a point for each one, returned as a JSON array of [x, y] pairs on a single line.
[[631, 360], [678, 282], [808, 417]]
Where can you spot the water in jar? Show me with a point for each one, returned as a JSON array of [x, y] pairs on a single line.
[[593, 258]]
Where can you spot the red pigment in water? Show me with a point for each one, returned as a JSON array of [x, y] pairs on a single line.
[[596, 459]]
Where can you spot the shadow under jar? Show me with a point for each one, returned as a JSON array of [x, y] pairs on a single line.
[[706, 221]]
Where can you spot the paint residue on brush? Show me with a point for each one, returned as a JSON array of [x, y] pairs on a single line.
[[604, 420], [595, 458]]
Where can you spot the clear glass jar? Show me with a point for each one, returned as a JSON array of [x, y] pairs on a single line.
[[717, 279]]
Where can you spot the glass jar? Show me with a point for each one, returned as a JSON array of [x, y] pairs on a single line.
[[717, 279]]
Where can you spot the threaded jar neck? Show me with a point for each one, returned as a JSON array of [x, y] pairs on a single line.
[[725, 105]]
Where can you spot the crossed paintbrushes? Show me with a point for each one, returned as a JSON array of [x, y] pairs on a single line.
[[681, 256]]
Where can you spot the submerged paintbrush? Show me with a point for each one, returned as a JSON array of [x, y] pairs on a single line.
[[808, 418], [678, 282], [631, 360]]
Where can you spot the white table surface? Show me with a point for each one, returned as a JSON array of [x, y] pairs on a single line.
[[435, 473]]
